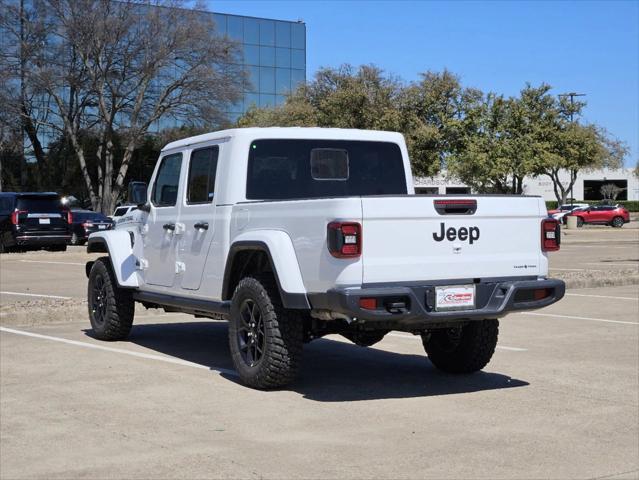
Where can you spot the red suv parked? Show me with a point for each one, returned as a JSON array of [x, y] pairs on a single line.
[[613, 215]]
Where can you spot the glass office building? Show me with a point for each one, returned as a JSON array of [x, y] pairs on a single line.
[[273, 54]]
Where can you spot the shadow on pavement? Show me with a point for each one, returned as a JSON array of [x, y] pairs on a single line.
[[332, 371]]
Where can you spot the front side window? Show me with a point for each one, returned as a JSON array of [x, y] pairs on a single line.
[[167, 181], [201, 186], [293, 169]]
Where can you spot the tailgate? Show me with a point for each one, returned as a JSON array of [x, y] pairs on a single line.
[[408, 239]]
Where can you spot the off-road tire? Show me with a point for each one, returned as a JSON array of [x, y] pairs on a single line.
[[111, 314], [472, 351], [282, 335], [617, 222]]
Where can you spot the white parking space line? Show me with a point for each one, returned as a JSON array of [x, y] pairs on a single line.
[[601, 296], [34, 295], [613, 264], [148, 356], [576, 269], [408, 335], [555, 315], [55, 263]]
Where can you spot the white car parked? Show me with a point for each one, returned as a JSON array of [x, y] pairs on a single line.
[[296, 233], [561, 212], [121, 211]]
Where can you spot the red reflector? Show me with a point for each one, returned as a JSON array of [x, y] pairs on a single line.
[[541, 293], [368, 303]]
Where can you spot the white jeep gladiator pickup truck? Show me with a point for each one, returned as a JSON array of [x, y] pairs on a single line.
[[295, 233]]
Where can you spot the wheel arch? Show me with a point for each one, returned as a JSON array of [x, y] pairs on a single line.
[[267, 252], [117, 244]]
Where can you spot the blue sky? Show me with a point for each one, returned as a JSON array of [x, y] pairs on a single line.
[[587, 47]]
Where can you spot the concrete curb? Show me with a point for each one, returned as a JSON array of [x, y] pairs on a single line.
[[602, 282]]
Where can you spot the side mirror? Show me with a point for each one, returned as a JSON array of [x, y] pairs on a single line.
[[137, 193]]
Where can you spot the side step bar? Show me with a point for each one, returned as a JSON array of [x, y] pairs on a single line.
[[184, 304]]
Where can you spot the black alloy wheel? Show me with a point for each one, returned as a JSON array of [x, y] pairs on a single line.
[[251, 333]]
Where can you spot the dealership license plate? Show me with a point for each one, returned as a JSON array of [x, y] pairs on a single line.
[[457, 297], [44, 221]]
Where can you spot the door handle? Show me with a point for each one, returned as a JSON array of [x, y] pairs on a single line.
[[169, 226], [201, 226]]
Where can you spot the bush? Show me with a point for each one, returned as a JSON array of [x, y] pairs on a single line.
[[631, 205]]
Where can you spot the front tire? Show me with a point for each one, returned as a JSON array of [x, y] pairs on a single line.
[[617, 222], [111, 308], [464, 349], [265, 339]]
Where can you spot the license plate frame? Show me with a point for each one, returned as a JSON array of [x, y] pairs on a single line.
[[455, 297], [44, 221]]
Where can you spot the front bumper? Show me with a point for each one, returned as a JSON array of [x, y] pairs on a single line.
[[494, 299]]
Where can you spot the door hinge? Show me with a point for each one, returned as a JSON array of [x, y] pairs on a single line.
[[180, 267], [142, 264]]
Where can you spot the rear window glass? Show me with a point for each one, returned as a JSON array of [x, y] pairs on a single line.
[[293, 169], [39, 204], [329, 164], [120, 211]]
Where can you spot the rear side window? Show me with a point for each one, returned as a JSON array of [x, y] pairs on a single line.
[[39, 204], [6, 205], [294, 169], [167, 181], [120, 211], [201, 186]]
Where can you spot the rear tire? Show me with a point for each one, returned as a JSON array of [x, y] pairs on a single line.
[[580, 222], [74, 239], [617, 222], [111, 308], [464, 349], [265, 339]]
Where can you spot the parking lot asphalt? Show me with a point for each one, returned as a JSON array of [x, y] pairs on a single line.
[[560, 398]]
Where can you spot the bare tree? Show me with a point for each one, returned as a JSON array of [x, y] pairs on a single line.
[[125, 68], [610, 191]]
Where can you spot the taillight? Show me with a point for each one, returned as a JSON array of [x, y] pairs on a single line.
[[15, 214], [69, 217], [550, 235], [344, 239]]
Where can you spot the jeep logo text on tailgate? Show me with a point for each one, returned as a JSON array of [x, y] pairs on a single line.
[[462, 233]]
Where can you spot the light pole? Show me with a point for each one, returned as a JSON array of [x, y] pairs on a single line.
[[572, 96]]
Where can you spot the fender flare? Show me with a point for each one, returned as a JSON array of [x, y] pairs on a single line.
[[278, 247], [117, 243]]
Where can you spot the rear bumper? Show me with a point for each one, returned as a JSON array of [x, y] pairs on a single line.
[[42, 239], [494, 299]]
